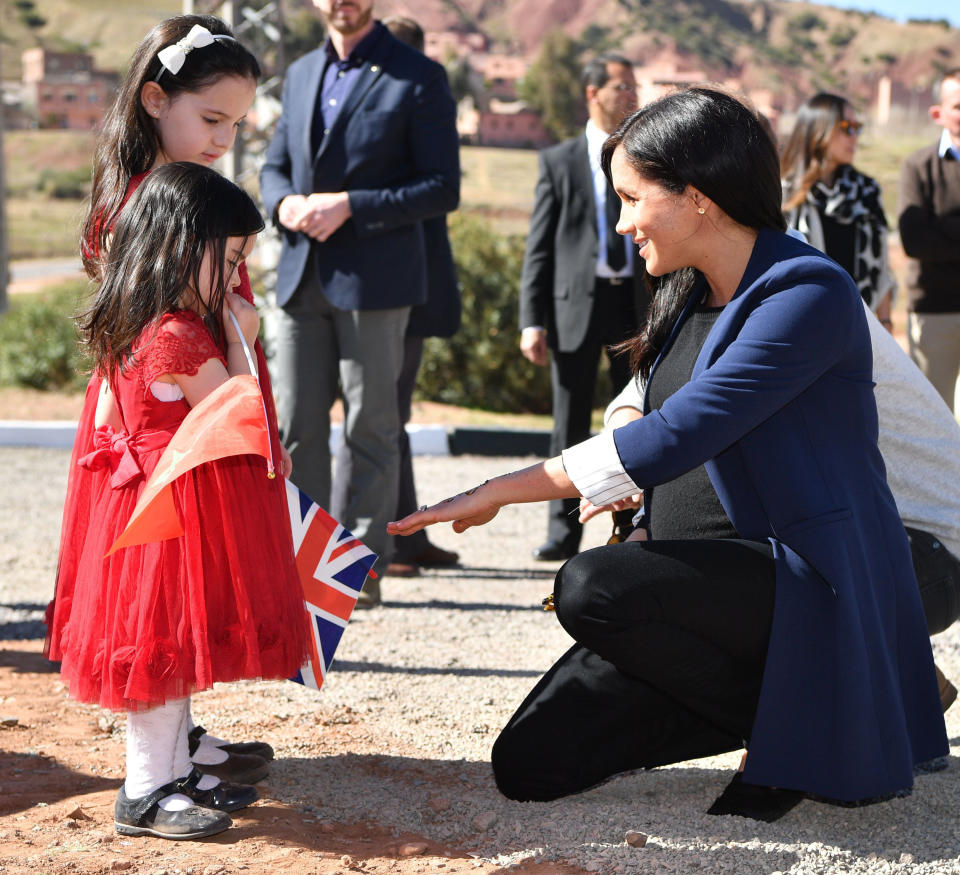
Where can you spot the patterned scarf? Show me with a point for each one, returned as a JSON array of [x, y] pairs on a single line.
[[852, 199]]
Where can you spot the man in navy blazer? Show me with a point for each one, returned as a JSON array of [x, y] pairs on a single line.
[[365, 149]]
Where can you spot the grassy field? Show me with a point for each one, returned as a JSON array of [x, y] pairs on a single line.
[[497, 183]]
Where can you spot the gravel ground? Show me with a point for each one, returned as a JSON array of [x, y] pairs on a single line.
[[433, 674]]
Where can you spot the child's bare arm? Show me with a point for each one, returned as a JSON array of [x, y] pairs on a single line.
[[107, 412], [212, 373]]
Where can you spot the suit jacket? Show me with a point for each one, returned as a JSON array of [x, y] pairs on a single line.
[[780, 408], [930, 229], [559, 266], [440, 315], [394, 148]]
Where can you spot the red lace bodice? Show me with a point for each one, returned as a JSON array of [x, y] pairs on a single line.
[[180, 345]]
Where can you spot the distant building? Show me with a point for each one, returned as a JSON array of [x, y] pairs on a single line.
[[63, 90], [501, 74], [656, 80], [511, 124], [441, 46]]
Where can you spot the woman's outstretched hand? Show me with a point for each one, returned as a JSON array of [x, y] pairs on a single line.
[[475, 507]]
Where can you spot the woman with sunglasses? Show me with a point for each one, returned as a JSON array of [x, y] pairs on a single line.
[[833, 204]]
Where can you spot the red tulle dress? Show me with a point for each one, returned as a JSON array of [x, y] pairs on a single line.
[[85, 485], [222, 602]]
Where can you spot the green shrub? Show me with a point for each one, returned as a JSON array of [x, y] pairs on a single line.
[[65, 184], [482, 366], [38, 340], [841, 37]]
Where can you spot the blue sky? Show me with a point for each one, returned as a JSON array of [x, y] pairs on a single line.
[[904, 9]]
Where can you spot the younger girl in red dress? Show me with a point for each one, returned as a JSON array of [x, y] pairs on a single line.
[[151, 624], [186, 93]]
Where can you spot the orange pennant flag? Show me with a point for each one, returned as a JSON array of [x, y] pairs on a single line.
[[230, 421]]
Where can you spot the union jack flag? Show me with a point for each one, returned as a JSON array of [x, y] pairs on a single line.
[[333, 565]]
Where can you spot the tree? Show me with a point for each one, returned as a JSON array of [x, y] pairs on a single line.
[[461, 77], [552, 85]]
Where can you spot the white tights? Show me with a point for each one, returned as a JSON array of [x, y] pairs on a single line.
[[157, 753], [208, 752]]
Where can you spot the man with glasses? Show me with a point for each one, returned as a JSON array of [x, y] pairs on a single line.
[[581, 290], [930, 232]]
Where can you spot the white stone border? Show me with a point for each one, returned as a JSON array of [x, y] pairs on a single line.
[[425, 440]]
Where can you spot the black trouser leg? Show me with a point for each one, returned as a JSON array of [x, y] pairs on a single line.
[[585, 721], [407, 548], [573, 377], [672, 640]]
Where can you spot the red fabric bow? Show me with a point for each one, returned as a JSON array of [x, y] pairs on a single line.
[[120, 451]]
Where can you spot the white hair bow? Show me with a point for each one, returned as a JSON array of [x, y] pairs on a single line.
[[173, 56]]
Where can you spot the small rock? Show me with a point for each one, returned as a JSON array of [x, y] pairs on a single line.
[[412, 849], [484, 821], [635, 839], [214, 869], [78, 814], [439, 804], [906, 858], [9, 722], [348, 861], [120, 865]]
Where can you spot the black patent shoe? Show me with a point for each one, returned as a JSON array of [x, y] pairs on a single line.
[[551, 551], [223, 797], [144, 816], [256, 748], [237, 768]]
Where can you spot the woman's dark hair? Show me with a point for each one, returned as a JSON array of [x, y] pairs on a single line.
[[181, 211], [707, 139], [804, 155], [128, 143]]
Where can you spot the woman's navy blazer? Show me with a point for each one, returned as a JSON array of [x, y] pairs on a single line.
[[780, 409]]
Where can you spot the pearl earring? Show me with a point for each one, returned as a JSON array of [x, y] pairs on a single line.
[[701, 210]]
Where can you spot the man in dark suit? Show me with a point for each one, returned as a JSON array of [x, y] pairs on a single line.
[[364, 150], [581, 289]]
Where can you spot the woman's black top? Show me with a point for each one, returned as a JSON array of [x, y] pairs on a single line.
[[687, 507]]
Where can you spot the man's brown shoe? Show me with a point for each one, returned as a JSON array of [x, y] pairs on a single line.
[[433, 555], [402, 569], [948, 692]]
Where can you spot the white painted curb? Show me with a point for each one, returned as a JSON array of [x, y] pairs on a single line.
[[425, 440]]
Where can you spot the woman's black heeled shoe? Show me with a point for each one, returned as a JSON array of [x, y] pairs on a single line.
[[752, 800]]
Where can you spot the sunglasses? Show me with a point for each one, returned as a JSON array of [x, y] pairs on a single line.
[[850, 128]]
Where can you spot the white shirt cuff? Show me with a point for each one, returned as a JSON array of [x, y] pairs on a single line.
[[595, 468]]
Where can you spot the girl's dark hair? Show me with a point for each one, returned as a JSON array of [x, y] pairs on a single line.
[[707, 139], [128, 143], [181, 211], [804, 155]]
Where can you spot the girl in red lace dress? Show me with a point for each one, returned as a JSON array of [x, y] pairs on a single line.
[[152, 623], [187, 90]]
